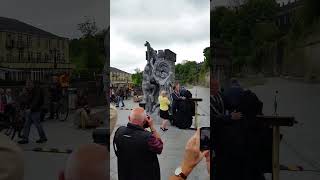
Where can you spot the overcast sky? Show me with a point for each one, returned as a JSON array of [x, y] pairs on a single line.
[[182, 26], [231, 2], [57, 16]]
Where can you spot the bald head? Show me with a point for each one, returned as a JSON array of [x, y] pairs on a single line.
[[87, 162], [138, 114], [12, 162]]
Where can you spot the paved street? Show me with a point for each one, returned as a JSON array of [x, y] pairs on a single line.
[[174, 140], [300, 144], [62, 135]]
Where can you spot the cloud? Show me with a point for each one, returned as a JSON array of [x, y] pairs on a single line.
[[181, 25], [57, 16]]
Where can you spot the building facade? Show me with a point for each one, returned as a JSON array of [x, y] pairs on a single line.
[[120, 78], [27, 52]]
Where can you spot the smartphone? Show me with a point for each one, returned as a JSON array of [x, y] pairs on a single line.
[[205, 138]]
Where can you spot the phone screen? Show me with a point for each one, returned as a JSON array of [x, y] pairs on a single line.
[[204, 138]]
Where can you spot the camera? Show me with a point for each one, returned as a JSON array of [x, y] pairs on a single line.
[[146, 123]]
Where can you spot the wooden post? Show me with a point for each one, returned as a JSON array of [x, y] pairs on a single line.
[[275, 153], [196, 115], [276, 122], [196, 119]]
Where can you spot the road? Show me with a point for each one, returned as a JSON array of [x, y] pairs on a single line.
[[62, 135]]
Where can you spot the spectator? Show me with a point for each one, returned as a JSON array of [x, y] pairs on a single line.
[[121, 94], [2, 101], [10, 105], [137, 148], [192, 157], [176, 98], [55, 96], [12, 162], [83, 119], [164, 109], [88, 162], [22, 98], [35, 99]]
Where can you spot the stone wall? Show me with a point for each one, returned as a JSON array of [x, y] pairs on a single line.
[[304, 60]]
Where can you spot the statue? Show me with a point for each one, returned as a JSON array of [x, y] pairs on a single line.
[[158, 75]]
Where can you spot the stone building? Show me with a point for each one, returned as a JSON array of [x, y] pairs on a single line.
[[120, 78], [27, 52]]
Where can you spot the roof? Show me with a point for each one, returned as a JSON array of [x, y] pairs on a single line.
[[113, 69], [13, 25]]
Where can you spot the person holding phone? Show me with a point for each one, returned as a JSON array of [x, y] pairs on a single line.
[[192, 157], [137, 148]]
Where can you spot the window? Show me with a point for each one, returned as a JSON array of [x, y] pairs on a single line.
[[39, 42], [9, 40], [38, 56], [62, 44], [30, 56], [62, 58], [49, 43], [20, 55], [29, 41], [20, 40], [9, 57], [58, 57], [58, 43], [46, 57]]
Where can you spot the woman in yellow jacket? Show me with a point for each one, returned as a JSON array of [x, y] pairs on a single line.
[[164, 109]]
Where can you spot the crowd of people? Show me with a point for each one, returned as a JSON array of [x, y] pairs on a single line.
[[119, 94], [24, 109]]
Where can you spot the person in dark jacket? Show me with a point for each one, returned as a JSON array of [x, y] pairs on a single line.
[[55, 96], [176, 100], [136, 148], [35, 99], [221, 121]]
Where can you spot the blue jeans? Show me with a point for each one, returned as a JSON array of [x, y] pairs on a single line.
[[33, 117], [121, 100]]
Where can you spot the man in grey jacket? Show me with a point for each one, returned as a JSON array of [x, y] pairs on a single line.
[[35, 99]]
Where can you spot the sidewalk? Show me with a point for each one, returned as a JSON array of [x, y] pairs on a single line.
[[174, 140]]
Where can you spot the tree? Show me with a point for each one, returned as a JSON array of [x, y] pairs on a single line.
[[88, 28], [187, 72], [137, 77]]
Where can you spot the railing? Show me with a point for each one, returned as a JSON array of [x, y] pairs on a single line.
[[34, 60]]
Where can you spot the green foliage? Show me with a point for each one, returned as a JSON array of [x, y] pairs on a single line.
[[88, 28], [87, 54], [137, 78], [188, 72], [311, 11], [247, 30]]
